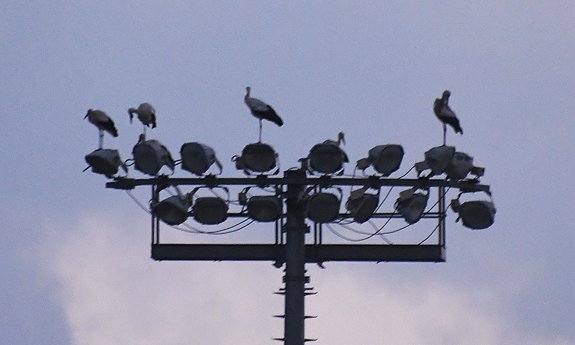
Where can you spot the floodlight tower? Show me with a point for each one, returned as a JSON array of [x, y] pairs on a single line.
[[313, 192]]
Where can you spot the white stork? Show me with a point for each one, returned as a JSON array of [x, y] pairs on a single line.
[[445, 114], [261, 110], [146, 114], [340, 140], [103, 122]]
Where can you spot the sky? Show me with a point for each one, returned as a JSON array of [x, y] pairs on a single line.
[[75, 256]]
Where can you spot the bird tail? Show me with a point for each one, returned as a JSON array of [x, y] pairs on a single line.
[[277, 120]]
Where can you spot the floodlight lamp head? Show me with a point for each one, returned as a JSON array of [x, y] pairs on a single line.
[[385, 159], [323, 207], [362, 205], [459, 166], [264, 208], [105, 162], [256, 158], [198, 158], [475, 214], [150, 156], [411, 205], [437, 160], [210, 210], [173, 210], [327, 159]]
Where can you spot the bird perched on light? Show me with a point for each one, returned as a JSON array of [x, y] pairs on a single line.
[[261, 110], [340, 140], [103, 122], [146, 114], [445, 114]]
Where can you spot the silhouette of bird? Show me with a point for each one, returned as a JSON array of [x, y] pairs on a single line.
[[340, 140], [445, 114], [146, 114], [261, 110], [103, 122]]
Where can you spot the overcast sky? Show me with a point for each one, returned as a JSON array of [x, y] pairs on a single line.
[[75, 261]]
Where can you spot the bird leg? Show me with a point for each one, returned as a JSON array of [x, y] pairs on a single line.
[[101, 139], [260, 130], [444, 133]]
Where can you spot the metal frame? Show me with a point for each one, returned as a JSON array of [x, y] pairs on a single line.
[[290, 246]]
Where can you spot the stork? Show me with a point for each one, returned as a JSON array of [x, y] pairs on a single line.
[[261, 110], [146, 114], [445, 114], [340, 140], [103, 122]]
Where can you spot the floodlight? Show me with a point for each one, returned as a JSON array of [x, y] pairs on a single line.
[[459, 166], [173, 210], [323, 207], [385, 159], [105, 162], [327, 158], [411, 205], [362, 205], [197, 158], [437, 160], [150, 156], [256, 157], [210, 210], [264, 208], [476, 214]]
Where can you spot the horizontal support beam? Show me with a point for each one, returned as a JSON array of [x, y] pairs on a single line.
[[313, 253], [325, 181]]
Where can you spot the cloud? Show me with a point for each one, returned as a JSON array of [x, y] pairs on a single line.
[[112, 293]]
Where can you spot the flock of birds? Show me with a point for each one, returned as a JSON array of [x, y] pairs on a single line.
[[259, 109]]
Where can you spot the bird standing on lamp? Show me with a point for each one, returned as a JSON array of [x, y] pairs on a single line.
[[261, 110], [103, 122], [445, 114]]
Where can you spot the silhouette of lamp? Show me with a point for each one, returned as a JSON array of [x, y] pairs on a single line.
[[475, 214], [411, 204], [385, 159], [198, 158]]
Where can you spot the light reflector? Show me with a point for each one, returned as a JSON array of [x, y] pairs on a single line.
[[386, 159], [459, 166], [323, 207], [210, 210], [105, 162], [411, 205], [150, 156], [436, 159], [264, 208], [197, 158], [362, 205], [257, 157], [172, 210]]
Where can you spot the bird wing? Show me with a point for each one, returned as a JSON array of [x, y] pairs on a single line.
[[257, 105]]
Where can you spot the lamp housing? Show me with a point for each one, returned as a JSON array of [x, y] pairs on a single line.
[[172, 210], [198, 158], [105, 162], [385, 159], [150, 156], [327, 158], [323, 207], [437, 159], [362, 205], [256, 157], [210, 210], [411, 204], [264, 208], [475, 214]]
